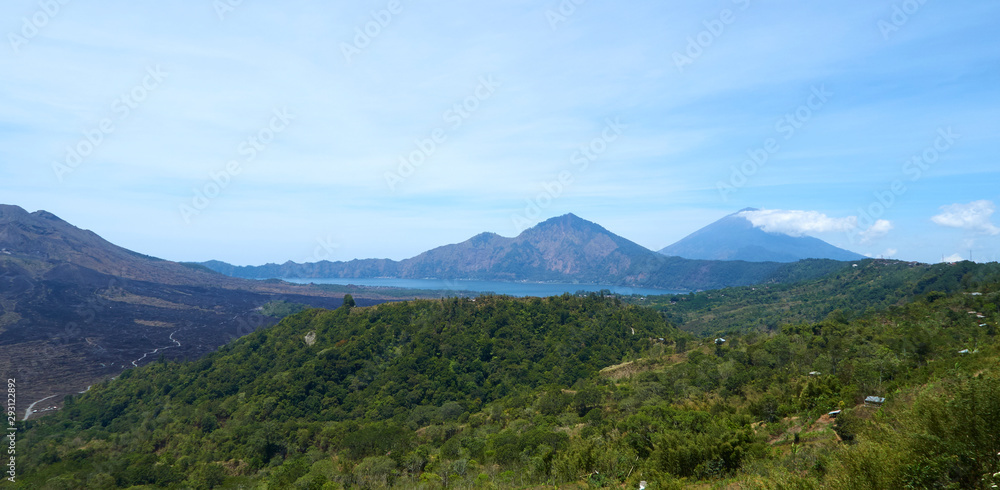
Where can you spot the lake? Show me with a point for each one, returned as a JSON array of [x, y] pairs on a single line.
[[499, 287]]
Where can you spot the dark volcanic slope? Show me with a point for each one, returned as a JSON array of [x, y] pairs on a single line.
[[75, 308], [736, 238]]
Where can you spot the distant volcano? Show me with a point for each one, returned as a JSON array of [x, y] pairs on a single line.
[[565, 249], [736, 238]]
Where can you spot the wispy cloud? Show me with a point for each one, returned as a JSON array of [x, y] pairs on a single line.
[[974, 217], [878, 230], [798, 223]]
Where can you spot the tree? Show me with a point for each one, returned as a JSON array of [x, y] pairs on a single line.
[[349, 301]]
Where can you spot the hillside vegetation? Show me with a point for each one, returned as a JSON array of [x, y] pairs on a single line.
[[849, 291], [357, 383], [570, 391]]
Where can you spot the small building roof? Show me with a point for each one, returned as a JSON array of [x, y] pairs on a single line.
[[874, 399]]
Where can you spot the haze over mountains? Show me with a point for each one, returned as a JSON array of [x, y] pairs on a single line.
[[571, 249], [735, 237]]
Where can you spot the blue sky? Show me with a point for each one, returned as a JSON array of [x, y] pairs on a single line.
[[256, 132]]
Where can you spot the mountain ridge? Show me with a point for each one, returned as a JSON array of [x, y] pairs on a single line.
[[43, 236], [565, 248]]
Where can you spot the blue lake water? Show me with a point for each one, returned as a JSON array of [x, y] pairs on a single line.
[[499, 287]]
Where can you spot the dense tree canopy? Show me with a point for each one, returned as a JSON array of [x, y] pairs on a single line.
[[498, 392]]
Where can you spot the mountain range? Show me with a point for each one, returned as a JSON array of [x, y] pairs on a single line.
[[562, 249]]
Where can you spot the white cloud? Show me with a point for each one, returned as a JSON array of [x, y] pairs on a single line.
[[953, 258], [890, 252], [878, 230], [974, 216], [798, 223]]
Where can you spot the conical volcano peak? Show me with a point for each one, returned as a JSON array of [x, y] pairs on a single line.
[[735, 237], [566, 223]]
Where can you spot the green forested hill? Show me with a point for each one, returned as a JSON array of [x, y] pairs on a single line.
[[850, 291], [361, 381], [518, 393]]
